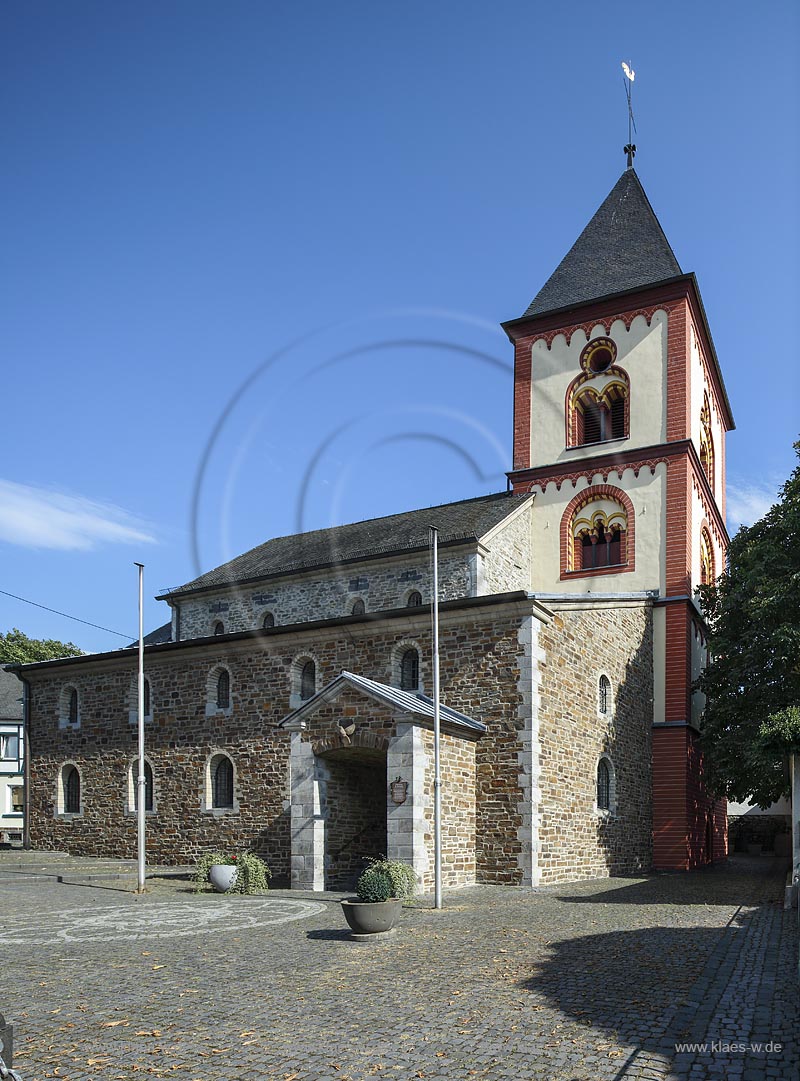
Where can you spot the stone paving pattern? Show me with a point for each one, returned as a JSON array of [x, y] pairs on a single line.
[[594, 981]]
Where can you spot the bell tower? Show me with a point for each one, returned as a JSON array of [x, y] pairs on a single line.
[[620, 415]]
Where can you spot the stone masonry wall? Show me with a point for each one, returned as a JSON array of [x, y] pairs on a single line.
[[457, 769], [507, 565], [575, 840], [380, 584], [479, 650]]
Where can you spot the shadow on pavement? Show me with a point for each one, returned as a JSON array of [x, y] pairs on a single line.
[[741, 880]]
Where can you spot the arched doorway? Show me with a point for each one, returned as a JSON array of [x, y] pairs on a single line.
[[353, 798]]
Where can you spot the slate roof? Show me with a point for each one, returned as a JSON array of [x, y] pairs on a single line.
[[10, 697], [407, 701], [157, 637], [623, 247], [465, 520]]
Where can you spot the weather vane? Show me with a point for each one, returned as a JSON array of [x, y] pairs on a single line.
[[628, 76]]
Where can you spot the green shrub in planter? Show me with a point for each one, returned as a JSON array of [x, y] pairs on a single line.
[[252, 874], [384, 879]]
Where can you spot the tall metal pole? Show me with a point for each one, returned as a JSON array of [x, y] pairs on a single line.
[[437, 778], [141, 783]]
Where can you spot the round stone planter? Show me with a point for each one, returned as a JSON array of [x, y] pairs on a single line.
[[371, 917], [222, 876]]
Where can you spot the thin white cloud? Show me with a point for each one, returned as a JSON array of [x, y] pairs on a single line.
[[746, 503], [41, 518]]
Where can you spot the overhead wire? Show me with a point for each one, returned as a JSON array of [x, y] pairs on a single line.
[[66, 615]]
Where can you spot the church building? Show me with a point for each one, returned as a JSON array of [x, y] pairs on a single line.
[[287, 701]]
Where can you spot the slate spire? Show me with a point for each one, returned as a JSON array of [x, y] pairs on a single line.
[[623, 247]]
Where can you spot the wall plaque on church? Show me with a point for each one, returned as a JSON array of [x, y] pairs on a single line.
[[398, 790]]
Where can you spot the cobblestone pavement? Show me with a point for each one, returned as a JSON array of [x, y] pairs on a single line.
[[596, 981]]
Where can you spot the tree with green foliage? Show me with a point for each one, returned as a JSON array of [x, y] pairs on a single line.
[[752, 683], [18, 648]]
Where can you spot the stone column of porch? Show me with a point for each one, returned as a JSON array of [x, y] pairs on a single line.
[[406, 822], [306, 820]]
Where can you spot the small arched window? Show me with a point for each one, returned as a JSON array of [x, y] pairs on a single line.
[[414, 599], [604, 695], [223, 690], [148, 786], [603, 786], [219, 627], [72, 790], [268, 621], [308, 680], [359, 608], [409, 670], [73, 706], [147, 707], [221, 782]]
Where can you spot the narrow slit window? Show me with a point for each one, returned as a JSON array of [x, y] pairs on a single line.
[[603, 786], [409, 670], [223, 690]]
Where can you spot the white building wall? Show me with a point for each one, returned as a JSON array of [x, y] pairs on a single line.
[[641, 352]]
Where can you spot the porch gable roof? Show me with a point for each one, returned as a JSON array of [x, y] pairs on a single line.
[[419, 705]]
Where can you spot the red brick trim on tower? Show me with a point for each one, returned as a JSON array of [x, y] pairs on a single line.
[[679, 425], [589, 495]]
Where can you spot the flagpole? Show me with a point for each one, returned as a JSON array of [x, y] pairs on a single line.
[[141, 783], [437, 779]]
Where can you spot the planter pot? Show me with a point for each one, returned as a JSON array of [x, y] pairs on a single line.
[[222, 876], [371, 917]]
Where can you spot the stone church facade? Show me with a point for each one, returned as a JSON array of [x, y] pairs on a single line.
[[287, 706]]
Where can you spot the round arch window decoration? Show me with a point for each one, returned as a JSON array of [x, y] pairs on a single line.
[[598, 355]]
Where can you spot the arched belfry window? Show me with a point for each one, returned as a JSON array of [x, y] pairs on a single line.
[[268, 621], [359, 608], [599, 538], [414, 599], [597, 532], [72, 715], [308, 680], [409, 670], [707, 442], [598, 399], [707, 574], [219, 627]]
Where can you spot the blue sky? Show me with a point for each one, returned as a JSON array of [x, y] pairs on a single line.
[[255, 256]]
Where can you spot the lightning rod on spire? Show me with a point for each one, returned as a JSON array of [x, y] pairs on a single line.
[[627, 80]]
